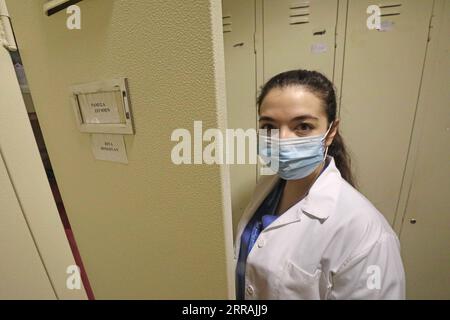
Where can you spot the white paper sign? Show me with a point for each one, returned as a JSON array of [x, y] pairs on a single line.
[[101, 107], [386, 26], [109, 147], [319, 48]]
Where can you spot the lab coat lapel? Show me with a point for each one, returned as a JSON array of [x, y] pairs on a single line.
[[262, 189], [318, 203]]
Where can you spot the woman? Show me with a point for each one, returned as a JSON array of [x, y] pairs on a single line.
[[308, 233]]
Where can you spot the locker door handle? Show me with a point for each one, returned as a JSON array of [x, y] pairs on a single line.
[[319, 32], [412, 221]]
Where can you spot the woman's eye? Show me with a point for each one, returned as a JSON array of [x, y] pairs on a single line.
[[303, 127]]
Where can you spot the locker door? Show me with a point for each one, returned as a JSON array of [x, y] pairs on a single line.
[[299, 34], [425, 233], [381, 81], [22, 274], [240, 71], [34, 250]]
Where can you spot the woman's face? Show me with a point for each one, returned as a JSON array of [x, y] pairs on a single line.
[[295, 112]]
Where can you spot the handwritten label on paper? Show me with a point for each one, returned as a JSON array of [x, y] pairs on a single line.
[[109, 147], [319, 48], [386, 26]]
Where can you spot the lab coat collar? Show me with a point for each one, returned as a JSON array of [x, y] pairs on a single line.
[[265, 185], [319, 202], [321, 199]]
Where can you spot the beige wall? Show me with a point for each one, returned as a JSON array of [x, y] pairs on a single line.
[[148, 229]]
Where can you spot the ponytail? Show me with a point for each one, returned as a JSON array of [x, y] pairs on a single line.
[[342, 159]]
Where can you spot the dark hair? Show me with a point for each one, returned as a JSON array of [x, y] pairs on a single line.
[[323, 88]]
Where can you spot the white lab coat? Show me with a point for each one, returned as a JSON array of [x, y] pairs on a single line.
[[333, 244]]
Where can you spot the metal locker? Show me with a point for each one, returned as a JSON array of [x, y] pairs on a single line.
[[426, 198], [240, 70], [381, 81], [299, 35], [22, 272]]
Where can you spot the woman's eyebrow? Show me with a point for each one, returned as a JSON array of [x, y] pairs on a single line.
[[299, 118], [304, 117], [266, 118]]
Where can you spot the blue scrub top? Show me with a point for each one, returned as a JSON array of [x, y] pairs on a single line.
[[262, 218]]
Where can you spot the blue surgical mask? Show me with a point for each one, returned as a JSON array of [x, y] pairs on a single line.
[[296, 157]]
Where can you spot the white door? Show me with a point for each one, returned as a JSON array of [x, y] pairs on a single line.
[[34, 251]]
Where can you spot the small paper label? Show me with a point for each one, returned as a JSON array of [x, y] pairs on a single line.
[[100, 107], [319, 48], [109, 147], [386, 26]]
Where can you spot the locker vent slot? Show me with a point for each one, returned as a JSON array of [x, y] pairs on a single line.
[[389, 10], [226, 23], [299, 13]]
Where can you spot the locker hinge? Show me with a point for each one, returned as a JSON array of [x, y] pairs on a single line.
[[254, 42], [335, 38], [6, 31], [430, 27]]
